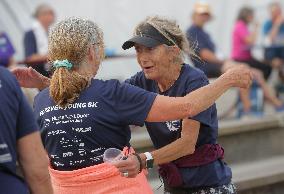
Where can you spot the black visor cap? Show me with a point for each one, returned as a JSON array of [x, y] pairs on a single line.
[[147, 36]]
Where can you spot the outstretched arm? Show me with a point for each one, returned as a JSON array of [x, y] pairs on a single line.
[[200, 99], [30, 78]]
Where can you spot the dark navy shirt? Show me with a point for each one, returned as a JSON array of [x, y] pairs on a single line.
[[16, 121], [30, 46], [164, 133], [197, 36], [77, 136]]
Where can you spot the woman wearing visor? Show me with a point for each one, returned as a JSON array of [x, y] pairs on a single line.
[[189, 158], [106, 108]]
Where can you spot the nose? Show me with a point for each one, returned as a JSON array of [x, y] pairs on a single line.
[[142, 57]]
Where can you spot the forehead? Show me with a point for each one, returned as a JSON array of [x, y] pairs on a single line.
[[136, 45]]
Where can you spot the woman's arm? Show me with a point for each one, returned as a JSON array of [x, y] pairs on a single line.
[[34, 161], [275, 28], [252, 37], [183, 146], [200, 99], [30, 78]]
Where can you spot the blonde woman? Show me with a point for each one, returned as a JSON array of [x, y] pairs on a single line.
[[189, 158], [81, 116]]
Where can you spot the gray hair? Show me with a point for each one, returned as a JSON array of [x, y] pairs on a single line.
[[169, 29], [70, 39], [42, 8]]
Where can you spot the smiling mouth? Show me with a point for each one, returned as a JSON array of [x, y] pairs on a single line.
[[146, 68]]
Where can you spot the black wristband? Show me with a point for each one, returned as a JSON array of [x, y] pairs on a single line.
[[140, 161]]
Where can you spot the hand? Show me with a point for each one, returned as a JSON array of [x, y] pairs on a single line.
[[130, 165], [227, 65], [30, 78], [256, 25], [279, 21], [239, 76]]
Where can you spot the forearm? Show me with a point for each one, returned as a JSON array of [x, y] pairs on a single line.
[[206, 96], [273, 33], [189, 105], [179, 148], [34, 162], [251, 39], [45, 82], [36, 58], [37, 177], [210, 57], [41, 185]]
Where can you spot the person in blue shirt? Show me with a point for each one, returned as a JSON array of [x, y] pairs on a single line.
[[273, 30], [160, 55], [35, 39], [80, 117], [20, 141]]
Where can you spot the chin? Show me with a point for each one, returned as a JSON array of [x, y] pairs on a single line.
[[150, 76]]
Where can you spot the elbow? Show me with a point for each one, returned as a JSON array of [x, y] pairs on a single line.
[[190, 150], [187, 148]]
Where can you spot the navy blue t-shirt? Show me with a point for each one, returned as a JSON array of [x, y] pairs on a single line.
[[16, 121], [164, 133], [197, 36], [77, 136]]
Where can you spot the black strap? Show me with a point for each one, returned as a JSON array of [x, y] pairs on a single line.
[[140, 161]]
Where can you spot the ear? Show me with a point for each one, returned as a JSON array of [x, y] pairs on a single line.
[[174, 50], [91, 53]]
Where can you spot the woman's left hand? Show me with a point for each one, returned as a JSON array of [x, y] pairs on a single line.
[[129, 167]]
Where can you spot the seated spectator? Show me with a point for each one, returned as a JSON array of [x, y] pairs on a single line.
[[205, 48], [243, 40], [212, 66], [273, 30], [35, 40]]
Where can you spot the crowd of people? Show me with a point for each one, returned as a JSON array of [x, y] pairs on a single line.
[[76, 117]]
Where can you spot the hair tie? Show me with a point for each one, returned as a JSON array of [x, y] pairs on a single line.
[[62, 63]]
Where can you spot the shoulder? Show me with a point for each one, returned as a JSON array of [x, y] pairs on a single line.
[[29, 35], [193, 73], [240, 25], [41, 97], [7, 77], [136, 79], [193, 78]]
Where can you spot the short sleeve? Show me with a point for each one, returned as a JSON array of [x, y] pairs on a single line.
[[131, 80], [266, 27], [133, 104], [26, 123], [204, 117]]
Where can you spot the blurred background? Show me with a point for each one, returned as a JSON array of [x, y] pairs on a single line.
[[253, 142]]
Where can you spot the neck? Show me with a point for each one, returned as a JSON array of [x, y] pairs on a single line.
[[198, 24], [45, 27], [168, 79]]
